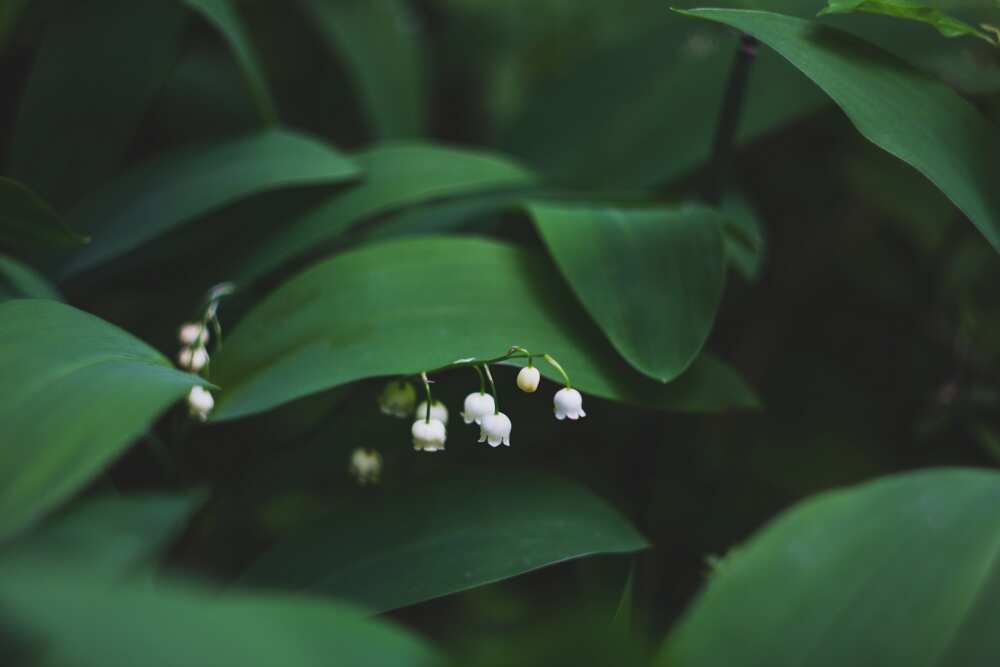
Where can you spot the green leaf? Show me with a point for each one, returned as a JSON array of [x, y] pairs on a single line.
[[76, 392], [651, 278], [26, 220], [191, 182], [442, 536], [900, 571], [395, 176], [87, 621], [20, 281], [381, 48], [403, 306], [904, 112], [82, 105], [225, 17], [110, 533], [947, 25]]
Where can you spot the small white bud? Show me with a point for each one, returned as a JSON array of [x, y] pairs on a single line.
[[478, 406], [568, 403], [192, 359], [192, 333], [528, 379], [366, 466], [438, 411], [495, 429], [397, 399], [200, 402], [428, 436]]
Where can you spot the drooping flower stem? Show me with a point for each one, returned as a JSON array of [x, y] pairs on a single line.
[[493, 389], [556, 365], [427, 391], [482, 380]]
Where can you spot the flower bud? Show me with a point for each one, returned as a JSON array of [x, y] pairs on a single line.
[[477, 406], [528, 379], [366, 465], [568, 403], [495, 429], [428, 436], [397, 399], [438, 411], [200, 402], [193, 333], [192, 359]]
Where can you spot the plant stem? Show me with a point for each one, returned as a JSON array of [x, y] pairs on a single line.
[[729, 118], [427, 391], [493, 388], [482, 380]]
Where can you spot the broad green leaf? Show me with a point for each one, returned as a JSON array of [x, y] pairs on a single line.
[[20, 281], [904, 112], [188, 183], [441, 536], [26, 220], [110, 533], [225, 17], [80, 620], [83, 104], [76, 392], [651, 278], [380, 45], [899, 571], [948, 26], [395, 176], [403, 306]]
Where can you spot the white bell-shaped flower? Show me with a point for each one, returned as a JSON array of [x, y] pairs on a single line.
[[192, 358], [438, 411], [397, 399], [568, 403], [528, 379], [200, 402], [495, 429], [477, 406], [193, 333], [366, 465], [428, 436]]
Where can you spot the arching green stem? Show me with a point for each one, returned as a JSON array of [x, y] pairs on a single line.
[[555, 364], [427, 392], [493, 388]]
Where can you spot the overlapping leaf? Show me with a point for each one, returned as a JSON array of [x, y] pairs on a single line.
[[98, 66], [915, 118], [191, 182], [396, 175], [76, 392], [404, 306], [85, 621], [442, 536], [652, 278], [901, 571]]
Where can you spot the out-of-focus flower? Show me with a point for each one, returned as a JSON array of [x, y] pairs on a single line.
[[398, 399], [200, 402], [366, 465]]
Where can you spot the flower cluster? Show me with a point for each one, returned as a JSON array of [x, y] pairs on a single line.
[[429, 429], [193, 355]]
